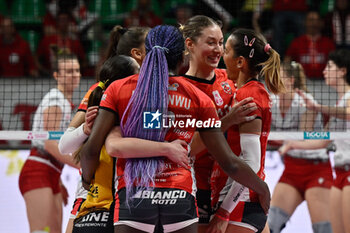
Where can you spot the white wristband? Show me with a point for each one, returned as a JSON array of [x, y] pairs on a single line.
[[72, 139], [233, 196]]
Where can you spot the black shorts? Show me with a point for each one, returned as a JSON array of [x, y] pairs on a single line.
[[204, 205], [249, 215], [170, 209], [96, 221]]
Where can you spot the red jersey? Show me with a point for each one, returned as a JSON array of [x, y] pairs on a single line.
[[84, 102], [261, 97], [311, 54], [185, 100], [16, 59], [220, 89]]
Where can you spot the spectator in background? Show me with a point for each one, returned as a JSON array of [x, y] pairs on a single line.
[[183, 12], [311, 49], [337, 24], [62, 41], [50, 21], [142, 16], [288, 17], [15, 56]]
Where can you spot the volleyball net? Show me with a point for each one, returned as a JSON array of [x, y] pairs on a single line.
[[19, 97]]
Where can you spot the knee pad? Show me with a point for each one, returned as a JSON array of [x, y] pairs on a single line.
[[277, 219], [322, 227]]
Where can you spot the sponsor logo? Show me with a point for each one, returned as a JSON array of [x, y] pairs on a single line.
[[162, 197], [173, 87], [30, 136], [316, 135], [321, 180], [95, 219], [55, 135], [218, 100], [155, 120], [180, 101], [226, 88]]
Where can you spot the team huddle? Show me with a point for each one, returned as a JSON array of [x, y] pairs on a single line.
[[185, 178]]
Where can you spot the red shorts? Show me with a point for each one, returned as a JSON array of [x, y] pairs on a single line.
[[343, 176], [306, 173], [35, 175]]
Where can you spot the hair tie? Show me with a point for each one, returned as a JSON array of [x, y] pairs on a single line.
[[123, 30], [267, 48], [102, 84], [160, 47]]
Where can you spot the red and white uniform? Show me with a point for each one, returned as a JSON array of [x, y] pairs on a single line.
[[220, 90], [304, 169], [341, 156], [184, 100], [41, 169], [220, 182]]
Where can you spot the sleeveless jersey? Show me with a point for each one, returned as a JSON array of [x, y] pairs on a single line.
[[53, 98], [101, 193], [291, 122], [341, 155], [187, 103]]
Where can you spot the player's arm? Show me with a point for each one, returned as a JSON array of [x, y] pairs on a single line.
[[237, 115], [120, 147], [233, 166], [52, 119], [78, 131]]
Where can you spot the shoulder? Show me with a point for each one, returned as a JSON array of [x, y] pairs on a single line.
[[221, 74]]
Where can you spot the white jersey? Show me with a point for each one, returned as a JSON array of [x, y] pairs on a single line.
[[342, 153], [291, 122], [53, 98]]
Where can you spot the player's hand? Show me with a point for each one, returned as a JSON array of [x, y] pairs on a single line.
[[265, 199], [310, 102], [178, 153], [287, 146], [240, 110], [64, 193], [219, 224], [90, 116]]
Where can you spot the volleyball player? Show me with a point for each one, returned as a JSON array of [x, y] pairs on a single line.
[[337, 76], [39, 179], [164, 47], [247, 55], [308, 173], [128, 42], [204, 45]]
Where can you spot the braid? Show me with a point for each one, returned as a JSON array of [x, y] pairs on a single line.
[[164, 47]]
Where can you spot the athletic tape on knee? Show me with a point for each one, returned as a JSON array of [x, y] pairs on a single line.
[[277, 219], [233, 196], [322, 227]]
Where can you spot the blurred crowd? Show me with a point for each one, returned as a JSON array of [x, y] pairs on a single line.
[[32, 32]]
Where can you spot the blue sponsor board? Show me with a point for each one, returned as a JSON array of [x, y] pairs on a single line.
[[55, 135], [317, 135]]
